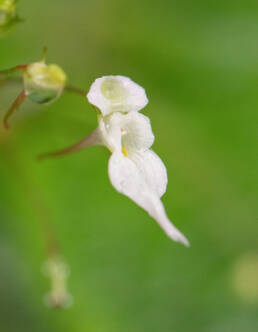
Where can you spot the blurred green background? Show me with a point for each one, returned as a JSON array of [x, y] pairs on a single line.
[[198, 61]]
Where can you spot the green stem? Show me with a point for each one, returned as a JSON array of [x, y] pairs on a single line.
[[5, 73], [78, 91]]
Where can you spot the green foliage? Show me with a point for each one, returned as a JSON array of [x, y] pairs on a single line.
[[198, 62]]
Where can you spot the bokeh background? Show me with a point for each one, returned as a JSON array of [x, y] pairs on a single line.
[[198, 61]]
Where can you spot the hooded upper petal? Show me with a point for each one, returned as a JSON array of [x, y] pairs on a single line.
[[116, 94], [143, 178]]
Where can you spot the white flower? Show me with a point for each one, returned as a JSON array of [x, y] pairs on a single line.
[[134, 169]]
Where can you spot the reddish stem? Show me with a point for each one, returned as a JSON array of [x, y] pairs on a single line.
[[12, 70], [21, 67], [92, 139], [18, 101]]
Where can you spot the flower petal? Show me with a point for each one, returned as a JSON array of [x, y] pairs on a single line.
[[131, 131], [116, 94], [143, 179], [152, 169]]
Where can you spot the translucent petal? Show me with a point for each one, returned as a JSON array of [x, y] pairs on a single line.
[[143, 179], [117, 94]]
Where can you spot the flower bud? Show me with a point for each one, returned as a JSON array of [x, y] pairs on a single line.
[[8, 15], [43, 83]]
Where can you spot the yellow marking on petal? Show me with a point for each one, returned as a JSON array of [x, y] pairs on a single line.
[[124, 151]]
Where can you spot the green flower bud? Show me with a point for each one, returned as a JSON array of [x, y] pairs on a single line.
[[8, 16], [7, 11], [43, 83]]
